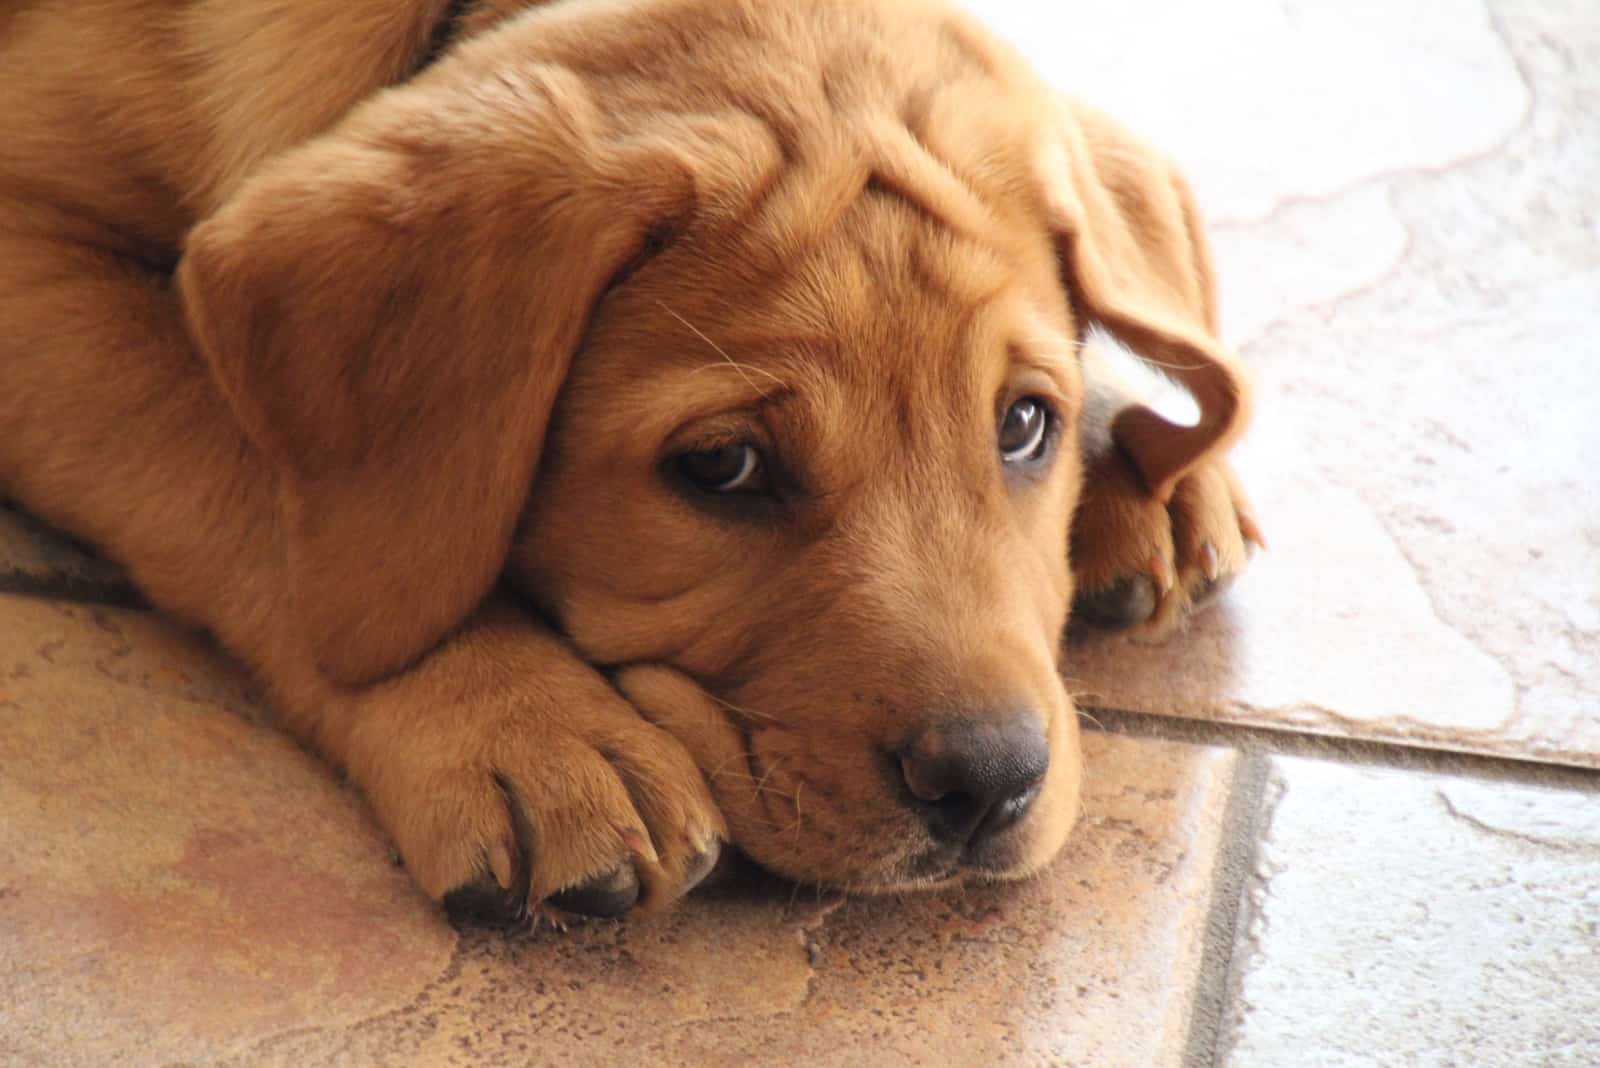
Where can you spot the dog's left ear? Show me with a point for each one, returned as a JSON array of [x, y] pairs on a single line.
[[1137, 262], [390, 311]]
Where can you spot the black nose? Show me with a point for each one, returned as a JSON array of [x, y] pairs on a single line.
[[974, 778]]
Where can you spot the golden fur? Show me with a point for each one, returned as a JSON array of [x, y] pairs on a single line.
[[375, 374]]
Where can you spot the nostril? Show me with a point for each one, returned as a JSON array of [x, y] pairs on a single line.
[[955, 817], [923, 772], [974, 778], [1007, 812]]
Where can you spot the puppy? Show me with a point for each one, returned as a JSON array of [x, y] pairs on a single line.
[[610, 428]]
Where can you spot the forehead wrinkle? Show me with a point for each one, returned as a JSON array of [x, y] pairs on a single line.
[[957, 269], [906, 167], [818, 190], [836, 168], [867, 245]]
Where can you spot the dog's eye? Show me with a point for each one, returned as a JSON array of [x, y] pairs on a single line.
[[1023, 430], [725, 469]]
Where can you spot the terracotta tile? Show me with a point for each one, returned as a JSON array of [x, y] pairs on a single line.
[[1439, 921], [181, 884], [1093, 963], [176, 881], [1423, 335], [35, 558]]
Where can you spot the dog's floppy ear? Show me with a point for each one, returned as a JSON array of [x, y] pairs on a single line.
[[1137, 262], [390, 311]]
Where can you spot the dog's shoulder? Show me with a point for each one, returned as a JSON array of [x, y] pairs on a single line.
[[156, 109]]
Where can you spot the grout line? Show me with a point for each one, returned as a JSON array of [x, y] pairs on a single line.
[[1400, 756], [1243, 821]]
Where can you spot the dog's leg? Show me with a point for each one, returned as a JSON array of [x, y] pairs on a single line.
[[505, 768], [111, 429], [1137, 563]]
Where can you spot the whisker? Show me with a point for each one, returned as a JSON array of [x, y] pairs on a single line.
[[752, 713], [722, 768], [772, 766], [735, 364], [742, 368], [763, 787], [799, 817]]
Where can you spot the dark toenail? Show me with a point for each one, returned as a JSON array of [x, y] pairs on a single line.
[[1124, 603], [701, 866], [610, 895], [485, 903]]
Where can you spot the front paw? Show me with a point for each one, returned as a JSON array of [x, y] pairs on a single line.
[[577, 806], [1143, 566]]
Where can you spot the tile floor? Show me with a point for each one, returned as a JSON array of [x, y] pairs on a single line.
[[1351, 817]]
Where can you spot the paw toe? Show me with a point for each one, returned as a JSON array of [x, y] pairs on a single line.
[[485, 903], [498, 897], [1127, 602], [701, 865], [1211, 588], [607, 897]]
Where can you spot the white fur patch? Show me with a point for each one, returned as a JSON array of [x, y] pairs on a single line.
[[1116, 379]]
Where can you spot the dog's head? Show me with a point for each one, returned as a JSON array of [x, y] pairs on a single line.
[[743, 340]]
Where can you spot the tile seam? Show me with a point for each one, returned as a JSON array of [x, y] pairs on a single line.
[[1362, 752], [1241, 826]]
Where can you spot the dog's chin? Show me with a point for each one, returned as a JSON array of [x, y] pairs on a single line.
[[931, 866], [939, 868], [934, 872]]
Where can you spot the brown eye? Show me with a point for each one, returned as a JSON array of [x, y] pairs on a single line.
[[725, 469], [1023, 430]]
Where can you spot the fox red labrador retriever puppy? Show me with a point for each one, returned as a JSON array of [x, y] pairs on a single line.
[[610, 428]]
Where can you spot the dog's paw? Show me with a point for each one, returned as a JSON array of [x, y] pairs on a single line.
[[1144, 567], [529, 812]]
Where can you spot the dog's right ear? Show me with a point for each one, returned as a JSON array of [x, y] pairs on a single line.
[[1136, 262], [390, 311]]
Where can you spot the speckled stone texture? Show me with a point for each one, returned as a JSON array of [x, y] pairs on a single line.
[[173, 877], [1066, 969], [180, 883], [1420, 920]]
